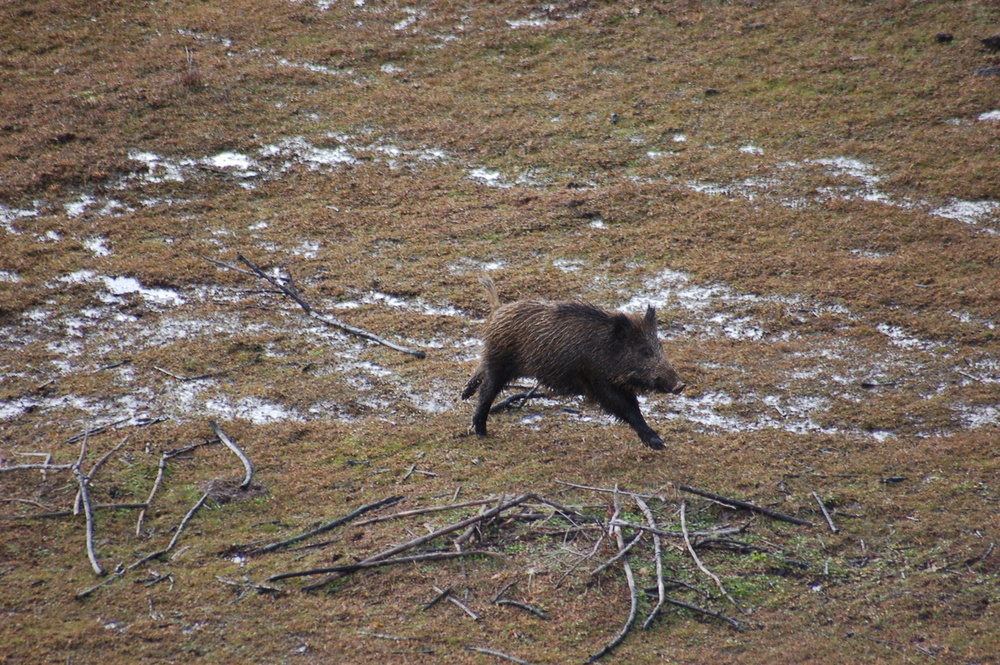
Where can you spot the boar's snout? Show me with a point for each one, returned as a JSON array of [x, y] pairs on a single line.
[[679, 388]]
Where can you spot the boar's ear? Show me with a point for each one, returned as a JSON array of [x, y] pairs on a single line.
[[625, 326], [650, 321]]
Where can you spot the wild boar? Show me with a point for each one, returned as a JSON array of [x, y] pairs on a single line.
[[573, 348]]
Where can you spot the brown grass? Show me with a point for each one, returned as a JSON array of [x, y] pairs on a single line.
[[852, 326]]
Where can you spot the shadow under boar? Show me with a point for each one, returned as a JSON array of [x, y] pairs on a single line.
[[573, 348]]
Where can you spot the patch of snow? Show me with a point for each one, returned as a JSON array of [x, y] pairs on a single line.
[[488, 178], [97, 245], [970, 212], [989, 116], [413, 15], [79, 206], [530, 23], [9, 215]]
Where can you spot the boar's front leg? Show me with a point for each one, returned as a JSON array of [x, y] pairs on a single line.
[[494, 379], [624, 406]]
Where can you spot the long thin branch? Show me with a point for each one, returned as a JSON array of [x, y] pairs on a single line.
[[325, 318], [328, 526], [162, 467], [633, 594], [66, 513], [822, 506], [498, 654], [88, 513], [456, 602], [773, 514], [95, 430], [606, 490], [701, 566], [621, 552], [237, 451], [43, 467], [707, 533], [97, 465], [737, 626], [658, 554], [430, 509], [151, 555], [362, 565], [416, 542]]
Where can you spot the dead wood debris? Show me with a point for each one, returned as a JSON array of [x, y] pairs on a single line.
[[287, 287], [633, 594], [389, 501], [498, 654]]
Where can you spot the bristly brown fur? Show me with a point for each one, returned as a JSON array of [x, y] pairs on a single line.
[[573, 348]]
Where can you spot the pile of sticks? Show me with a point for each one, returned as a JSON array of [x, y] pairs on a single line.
[[83, 504]]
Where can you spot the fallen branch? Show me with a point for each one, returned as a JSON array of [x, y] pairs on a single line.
[[67, 513], [383, 636], [737, 626], [606, 490], [88, 512], [246, 585], [701, 566], [95, 430], [208, 375], [162, 467], [498, 654], [633, 594], [328, 526], [237, 451], [416, 542], [456, 602], [621, 552], [292, 292], [97, 465], [658, 554], [422, 511], [152, 555], [542, 614], [708, 533], [362, 565], [436, 599], [42, 467], [773, 514], [521, 397], [822, 506]]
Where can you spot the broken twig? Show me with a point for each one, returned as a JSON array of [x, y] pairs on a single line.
[[292, 292], [498, 654], [456, 602], [633, 595], [328, 526], [701, 566], [416, 542], [822, 506], [773, 514], [361, 565], [237, 451], [658, 554]]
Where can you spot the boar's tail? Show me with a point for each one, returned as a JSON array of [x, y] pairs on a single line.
[[473, 385], [491, 293]]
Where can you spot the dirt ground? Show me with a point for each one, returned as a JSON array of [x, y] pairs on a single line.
[[808, 193]]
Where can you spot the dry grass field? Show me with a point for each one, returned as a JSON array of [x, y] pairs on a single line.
[[809, 193]]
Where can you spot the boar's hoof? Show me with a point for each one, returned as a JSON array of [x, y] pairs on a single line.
[[654, 442]]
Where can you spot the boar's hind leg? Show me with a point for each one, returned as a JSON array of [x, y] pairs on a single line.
[[624, 406], [493, 381]]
